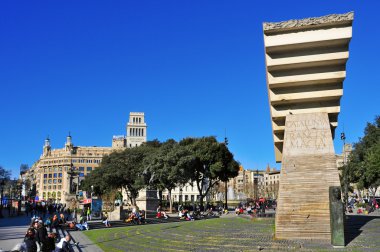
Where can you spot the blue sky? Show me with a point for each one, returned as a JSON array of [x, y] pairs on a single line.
[[196, 68]]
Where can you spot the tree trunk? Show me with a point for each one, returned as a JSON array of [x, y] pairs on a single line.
[[225, 195], [170, 200], [160, 197], [201, 196]]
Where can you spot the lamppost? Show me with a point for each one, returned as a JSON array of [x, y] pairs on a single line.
[[256, 181], [2, 183], [343, 138], [180, 196], [92, 190]]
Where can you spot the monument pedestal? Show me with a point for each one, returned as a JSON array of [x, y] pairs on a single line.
[[147, 200], [308, 170]]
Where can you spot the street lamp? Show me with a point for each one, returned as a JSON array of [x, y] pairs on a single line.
[[343, 138], [180, 196], [256, 181], [2, 183], [92, 190]]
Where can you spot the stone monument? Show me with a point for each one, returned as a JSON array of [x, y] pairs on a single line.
[[305, 67]]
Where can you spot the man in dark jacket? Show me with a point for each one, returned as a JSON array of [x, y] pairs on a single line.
[[29, 240], [41, 234]]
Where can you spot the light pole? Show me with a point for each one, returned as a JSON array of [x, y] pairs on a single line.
[[2, 183], [343, 138], [92, 190], [180, 195], [256, 181]]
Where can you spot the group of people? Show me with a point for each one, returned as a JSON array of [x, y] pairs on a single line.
[[37, 238], [136, 216], [43, 208]]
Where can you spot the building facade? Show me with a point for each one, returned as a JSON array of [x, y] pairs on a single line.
[[58, 172]]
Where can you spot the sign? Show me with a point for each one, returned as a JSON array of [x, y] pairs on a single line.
[[86, 201], [96, 208]]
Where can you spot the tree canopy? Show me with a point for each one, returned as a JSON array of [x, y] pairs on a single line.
[[363, 166], [212, 163], [163, 166]]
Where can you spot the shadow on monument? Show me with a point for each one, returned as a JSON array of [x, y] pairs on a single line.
[[353, 226]]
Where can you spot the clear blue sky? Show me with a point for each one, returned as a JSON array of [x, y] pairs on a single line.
[[196, 68]]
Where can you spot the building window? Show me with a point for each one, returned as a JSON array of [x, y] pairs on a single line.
[[55, 175], [81, 168], [50, 175], [59, 180], [54, 187], [45, 181], [45, 175], [186, 197], [49, 181], [60, 175], [49, 187], [59, 187], [192, 198], [54, 181]]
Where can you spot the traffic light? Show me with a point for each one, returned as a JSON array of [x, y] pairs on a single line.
[[342, 136]]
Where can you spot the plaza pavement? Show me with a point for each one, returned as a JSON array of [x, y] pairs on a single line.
[[362, 234]]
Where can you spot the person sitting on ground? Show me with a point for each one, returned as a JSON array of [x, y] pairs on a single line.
[[30, 241], [249, 209], [63, 244], [55, 222], [181, 214], [161, 213], [50, 242], [105, 220], [82, 226], [40, 234], [62, 219], [241, 210], [188, 216]]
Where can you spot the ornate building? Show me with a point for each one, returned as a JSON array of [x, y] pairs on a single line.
[[58, 172]]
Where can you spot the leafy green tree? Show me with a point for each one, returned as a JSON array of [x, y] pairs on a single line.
[[5, 176], [121, 169], [363, 166], [212, 163], [168, 167]]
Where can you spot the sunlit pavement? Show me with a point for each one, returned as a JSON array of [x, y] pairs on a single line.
[[12, 231]]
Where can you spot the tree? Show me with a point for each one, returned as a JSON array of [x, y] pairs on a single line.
[[168, 168], [363, 166], [4, 174], [23, 168], [212, 163], [121, 169]]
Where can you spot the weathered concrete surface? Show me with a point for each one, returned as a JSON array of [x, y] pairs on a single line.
[[305, 68], [308, 170]]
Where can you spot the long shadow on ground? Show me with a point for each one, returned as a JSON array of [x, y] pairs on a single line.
[[354, 224]]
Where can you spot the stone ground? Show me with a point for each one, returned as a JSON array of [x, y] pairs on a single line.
[[230, 233]]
